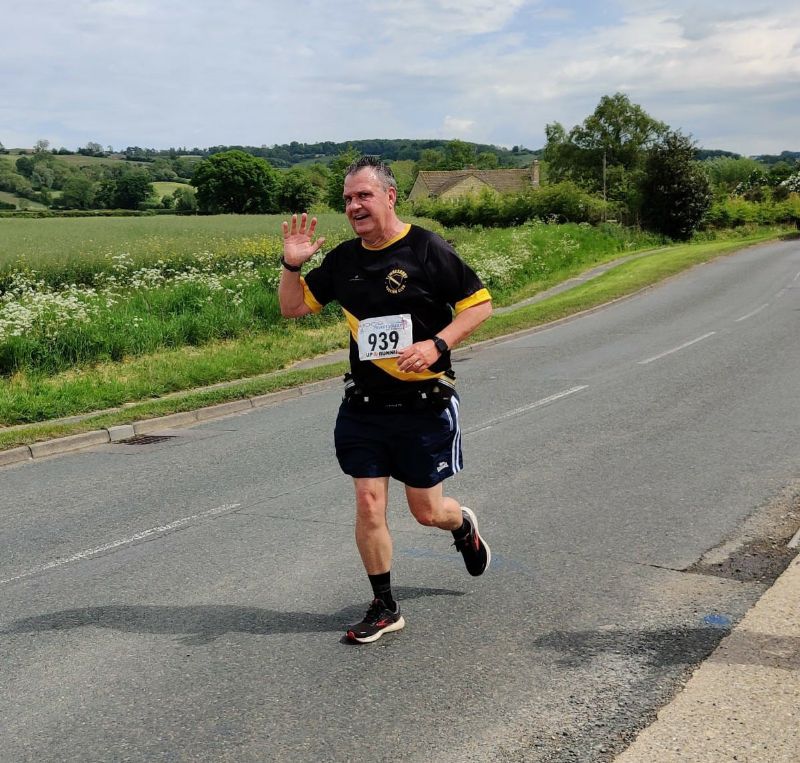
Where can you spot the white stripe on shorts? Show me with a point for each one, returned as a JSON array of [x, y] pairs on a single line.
[[455, 456]]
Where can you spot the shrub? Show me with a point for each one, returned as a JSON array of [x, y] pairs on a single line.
[[561, 202]]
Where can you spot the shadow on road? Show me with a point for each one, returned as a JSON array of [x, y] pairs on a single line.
[[202, 623]]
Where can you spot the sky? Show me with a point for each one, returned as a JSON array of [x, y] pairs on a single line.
[[242, 72]]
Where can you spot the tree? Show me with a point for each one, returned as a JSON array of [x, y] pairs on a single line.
[[234, 182], [675, 190], [459, 155], [602, 153], [297, 191], [337, 168], [42, 177], [185, 200], [25, 166], [487, 160], [430, 159], [78, 193], [41, 146], [132, 190], [726, 172], [3, 149]]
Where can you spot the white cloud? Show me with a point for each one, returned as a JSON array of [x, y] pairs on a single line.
[[137, 71], [453, 126]]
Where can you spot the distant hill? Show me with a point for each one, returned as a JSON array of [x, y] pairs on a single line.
[[790, 157], [290, 154]]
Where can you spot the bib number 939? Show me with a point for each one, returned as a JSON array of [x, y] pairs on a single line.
[[384, 337]]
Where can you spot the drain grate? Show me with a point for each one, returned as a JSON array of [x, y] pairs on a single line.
[[146, 439]]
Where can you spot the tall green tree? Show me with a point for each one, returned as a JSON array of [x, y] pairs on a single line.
[[78, 193], [297, 191], [606, 153], [132, 189], [430, 159], [338, 167], [459, 155], [235, 182], [675, 190]]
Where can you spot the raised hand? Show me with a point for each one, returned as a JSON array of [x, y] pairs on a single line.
[[298, 243]]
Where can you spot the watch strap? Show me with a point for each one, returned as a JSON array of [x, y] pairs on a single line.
[[291, 268], [440, 344]]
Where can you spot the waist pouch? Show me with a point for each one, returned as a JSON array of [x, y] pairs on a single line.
[[434, 395]]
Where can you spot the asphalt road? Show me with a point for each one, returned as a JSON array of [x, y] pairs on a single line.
[[184, 600]]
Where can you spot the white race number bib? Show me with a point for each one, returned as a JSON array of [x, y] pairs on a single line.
[[384, 337]]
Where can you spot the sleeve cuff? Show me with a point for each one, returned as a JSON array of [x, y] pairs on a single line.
[[309, 298], [480, 296]]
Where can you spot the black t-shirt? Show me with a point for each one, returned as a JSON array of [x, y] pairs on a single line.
[[417, 273]]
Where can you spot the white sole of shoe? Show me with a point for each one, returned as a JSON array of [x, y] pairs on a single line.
[[399, 625], [474, 520]]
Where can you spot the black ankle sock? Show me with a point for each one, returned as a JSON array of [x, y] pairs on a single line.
[[462, 531], [382, 588]]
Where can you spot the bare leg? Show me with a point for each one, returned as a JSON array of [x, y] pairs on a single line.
[[432, 508], [372, 531]]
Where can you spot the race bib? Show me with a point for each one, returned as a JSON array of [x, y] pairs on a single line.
[[384, 337]]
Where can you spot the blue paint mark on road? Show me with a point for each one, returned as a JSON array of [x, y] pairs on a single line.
[[718, 621]]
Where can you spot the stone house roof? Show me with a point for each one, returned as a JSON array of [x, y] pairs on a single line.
[[444, 183]]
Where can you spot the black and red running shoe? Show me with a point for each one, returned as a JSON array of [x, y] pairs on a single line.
[[378, 620], [477, 554]]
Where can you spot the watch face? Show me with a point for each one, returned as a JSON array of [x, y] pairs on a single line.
[[440, 344]]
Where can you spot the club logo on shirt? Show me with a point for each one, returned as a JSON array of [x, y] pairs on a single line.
[[396, 281]]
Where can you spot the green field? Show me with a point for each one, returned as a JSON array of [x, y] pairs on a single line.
[[101, 312], [19, 201], [164, 188], [86, 242]]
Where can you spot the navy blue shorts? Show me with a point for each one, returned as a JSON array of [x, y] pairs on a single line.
[[418, 448]]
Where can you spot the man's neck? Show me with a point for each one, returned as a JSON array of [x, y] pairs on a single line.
[[393, 231]]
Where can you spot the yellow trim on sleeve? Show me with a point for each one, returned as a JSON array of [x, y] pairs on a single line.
[[390, 241], [480, 296], [352, 324], [389, 365], [309, 298]]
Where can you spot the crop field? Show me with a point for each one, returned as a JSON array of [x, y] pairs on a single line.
[[12, 198], [136, 307], [166, 188]]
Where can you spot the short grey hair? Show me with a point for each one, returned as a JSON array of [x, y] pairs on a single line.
[[380, 168]]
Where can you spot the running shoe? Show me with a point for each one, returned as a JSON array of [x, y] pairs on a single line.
[[378, 620], [473, 548]]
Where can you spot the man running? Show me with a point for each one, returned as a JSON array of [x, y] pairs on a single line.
[[408, 299]]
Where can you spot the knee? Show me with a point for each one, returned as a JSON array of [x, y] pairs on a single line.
[[370, 504], [424, 514]]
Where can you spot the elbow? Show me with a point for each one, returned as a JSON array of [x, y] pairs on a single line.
[[294, 311]]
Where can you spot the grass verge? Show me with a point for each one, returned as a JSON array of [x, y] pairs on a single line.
[[116, 384]]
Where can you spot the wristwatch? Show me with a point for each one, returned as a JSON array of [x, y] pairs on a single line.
[[440, 345], [292, 268]]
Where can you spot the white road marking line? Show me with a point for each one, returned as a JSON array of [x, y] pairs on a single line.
[[795, 541], [529, 407], [677, 349], [122, 542], [796, 277], [751, 314]]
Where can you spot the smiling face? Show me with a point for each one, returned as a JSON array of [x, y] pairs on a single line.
[[370, 207]]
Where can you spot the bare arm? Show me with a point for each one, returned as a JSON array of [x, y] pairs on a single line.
[[298, 247], [454, 333]]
